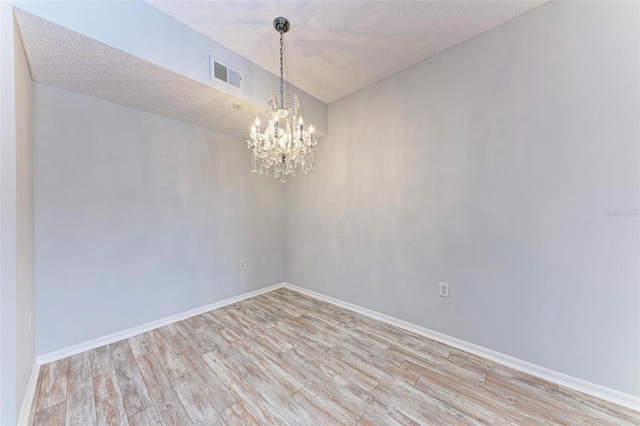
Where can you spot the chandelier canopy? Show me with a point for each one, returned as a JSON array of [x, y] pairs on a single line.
[[284, 144]]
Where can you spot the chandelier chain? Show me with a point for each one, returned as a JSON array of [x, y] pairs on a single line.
[[281, 69]]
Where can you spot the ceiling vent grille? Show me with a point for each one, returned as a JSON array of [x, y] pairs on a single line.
[[224, 73]]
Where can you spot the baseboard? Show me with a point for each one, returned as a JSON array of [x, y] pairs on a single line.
[[124, 334], [620, 398], [29, 396]]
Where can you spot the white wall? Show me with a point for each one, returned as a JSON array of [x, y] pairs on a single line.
[[139, 217], [16, 221], [490, 166]]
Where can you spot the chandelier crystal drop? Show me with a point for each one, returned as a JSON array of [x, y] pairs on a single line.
[[284, 144]]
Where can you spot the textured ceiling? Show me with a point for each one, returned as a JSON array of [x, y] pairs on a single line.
[[60, 57], [337, 47]]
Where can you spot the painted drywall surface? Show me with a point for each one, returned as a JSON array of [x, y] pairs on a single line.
[[16, 220], [8, 399], [25, 337], [139, 217], [506, 166], [140, 29]]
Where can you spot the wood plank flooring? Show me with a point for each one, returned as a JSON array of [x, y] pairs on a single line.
[[283, 358]]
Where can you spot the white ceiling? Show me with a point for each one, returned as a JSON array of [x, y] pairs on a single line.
[[337, 47], [63, 58]]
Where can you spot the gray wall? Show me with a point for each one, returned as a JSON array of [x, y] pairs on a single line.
[[139, 217], [25, 244], [490, 167], [16, 221]]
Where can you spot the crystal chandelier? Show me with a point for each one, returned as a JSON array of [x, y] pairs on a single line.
[[284, 144]]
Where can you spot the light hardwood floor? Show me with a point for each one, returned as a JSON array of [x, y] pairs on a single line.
[[285, 358]]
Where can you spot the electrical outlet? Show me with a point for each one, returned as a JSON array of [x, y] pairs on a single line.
[[242, 265], [444, 290], [29, 319]]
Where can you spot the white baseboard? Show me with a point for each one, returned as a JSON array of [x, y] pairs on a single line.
[[124, 334], [620, 398], [29, 396]]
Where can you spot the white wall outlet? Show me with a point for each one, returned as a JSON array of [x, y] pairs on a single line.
[[29, 319], [444, 290], [242, 265]]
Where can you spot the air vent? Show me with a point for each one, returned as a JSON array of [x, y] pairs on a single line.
[[220, 71]]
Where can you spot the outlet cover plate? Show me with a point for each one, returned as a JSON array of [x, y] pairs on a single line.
[[444, 290]]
